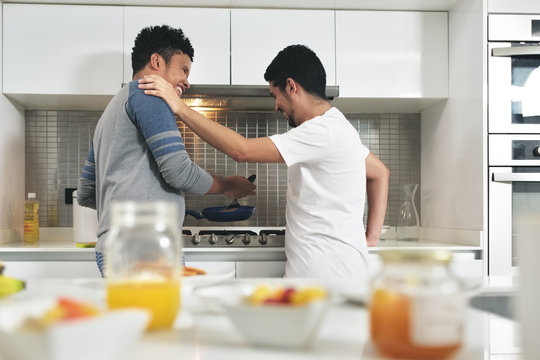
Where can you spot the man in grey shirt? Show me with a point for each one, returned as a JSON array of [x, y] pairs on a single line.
[[138, 152]]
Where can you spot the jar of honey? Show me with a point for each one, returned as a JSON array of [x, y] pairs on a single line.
[[417, 305]]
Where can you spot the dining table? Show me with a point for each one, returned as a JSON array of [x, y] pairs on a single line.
[[201, 332]]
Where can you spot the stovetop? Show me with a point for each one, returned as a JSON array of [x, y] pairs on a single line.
[[233, 238]]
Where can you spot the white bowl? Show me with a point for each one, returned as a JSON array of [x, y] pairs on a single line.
[[277, 325], [108, 336]]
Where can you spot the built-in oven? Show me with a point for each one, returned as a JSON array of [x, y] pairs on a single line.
[[514, 73], [248, 252], [514, 196], [513, 134]]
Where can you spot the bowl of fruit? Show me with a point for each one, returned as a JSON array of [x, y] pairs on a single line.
[[67, 328], [277, 316]]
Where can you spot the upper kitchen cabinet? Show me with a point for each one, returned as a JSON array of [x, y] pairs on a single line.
[[257, 35], [514, 6], [61, 49], [389, 54], [207, 29]]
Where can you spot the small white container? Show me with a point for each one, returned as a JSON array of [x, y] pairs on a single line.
[[85, 224], [108, 336]]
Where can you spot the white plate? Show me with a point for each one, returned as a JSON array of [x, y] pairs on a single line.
[[216, 272]]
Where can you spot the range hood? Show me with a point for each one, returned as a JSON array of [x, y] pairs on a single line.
[[247, 91], [209, 97], [237, 97]]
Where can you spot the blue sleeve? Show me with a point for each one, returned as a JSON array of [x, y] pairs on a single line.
[[86, 190], [157, 124]]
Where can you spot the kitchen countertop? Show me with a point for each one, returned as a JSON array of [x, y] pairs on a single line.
[[344, 334], [56, 244]]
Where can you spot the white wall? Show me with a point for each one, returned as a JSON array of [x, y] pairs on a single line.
[[11, 166], [452, 133]]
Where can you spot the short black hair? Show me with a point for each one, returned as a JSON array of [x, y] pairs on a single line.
[[301, 64], [163, 40]]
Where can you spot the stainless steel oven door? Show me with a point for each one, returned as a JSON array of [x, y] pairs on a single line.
[[514, 195], [514, 88], [514, 73]]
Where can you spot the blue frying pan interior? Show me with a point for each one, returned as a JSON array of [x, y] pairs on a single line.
[[216, 214]]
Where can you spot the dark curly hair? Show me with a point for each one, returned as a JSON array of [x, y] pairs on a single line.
[[301, 64], [163, 40]]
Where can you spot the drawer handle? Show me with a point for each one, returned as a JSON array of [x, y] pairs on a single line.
[[515, 177], [516, 51]]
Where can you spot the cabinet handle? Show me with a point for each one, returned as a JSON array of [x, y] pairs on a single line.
[[515, 177], [516, 51]]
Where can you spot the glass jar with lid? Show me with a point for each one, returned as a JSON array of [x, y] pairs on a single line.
[[143, 259], [417, 305]]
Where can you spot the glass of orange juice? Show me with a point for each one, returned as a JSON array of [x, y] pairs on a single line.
[[143, 260]]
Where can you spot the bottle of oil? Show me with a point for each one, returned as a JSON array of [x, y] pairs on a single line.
[[31, 220]]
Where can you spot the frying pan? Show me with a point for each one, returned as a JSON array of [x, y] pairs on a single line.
[[216, 213], [228, 213]]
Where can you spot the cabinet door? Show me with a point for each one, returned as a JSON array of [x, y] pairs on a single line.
[[392, 54], [207, 30], [62, 49], [258, 35], [27, 270]]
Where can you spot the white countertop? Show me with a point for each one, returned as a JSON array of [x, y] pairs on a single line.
[[344, 334], [56, 244]]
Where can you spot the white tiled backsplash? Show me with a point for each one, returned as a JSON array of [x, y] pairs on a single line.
[[57, 143]]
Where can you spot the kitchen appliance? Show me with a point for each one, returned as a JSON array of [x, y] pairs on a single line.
[[514, 195], [234, 238], [256, 252], [84, 224], [514, 134], [237, 97], [514, 73]]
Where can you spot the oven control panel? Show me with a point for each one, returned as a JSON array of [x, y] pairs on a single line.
[[525, 149]]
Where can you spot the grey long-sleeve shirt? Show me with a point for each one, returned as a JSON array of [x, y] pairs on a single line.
[[137, 154]]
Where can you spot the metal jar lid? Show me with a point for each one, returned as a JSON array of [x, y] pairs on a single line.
[[419, 256]]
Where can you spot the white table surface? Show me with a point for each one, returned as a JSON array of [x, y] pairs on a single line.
[[201, 334]]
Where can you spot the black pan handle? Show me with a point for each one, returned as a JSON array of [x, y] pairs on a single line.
[[195, 214]]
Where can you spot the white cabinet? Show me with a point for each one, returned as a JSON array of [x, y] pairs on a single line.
[[389, 54], [514, 6], [27, 270], [260, 269], [258, 35], [207, 30], [62, 49]]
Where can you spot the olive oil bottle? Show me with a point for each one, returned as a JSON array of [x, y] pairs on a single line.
[[31, 220]]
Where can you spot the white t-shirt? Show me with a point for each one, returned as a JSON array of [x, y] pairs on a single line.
[[325, 235]]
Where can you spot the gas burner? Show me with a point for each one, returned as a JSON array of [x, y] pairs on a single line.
[[235, 238]]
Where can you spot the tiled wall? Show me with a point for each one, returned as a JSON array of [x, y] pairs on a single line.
[[57, 143]]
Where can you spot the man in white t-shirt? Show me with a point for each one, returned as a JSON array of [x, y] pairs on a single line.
[[329, 169]]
